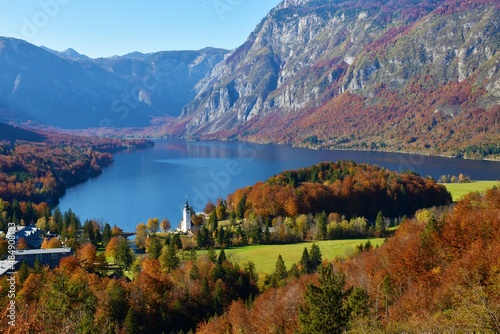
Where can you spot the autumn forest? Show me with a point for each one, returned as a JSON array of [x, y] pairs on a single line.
[[436, 270]]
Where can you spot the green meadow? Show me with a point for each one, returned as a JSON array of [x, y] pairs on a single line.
[[265, 256], [460, 189]]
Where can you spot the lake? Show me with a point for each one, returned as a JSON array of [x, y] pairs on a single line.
[[155, 183]]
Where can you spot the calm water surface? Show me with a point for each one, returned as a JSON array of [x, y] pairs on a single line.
[[155, 183]]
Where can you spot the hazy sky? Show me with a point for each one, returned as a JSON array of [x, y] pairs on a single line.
[[102, 28]]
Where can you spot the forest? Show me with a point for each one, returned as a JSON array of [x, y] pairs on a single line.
[[165, 286], [344, 187], [439, 272], [39, 166], [331, 200]]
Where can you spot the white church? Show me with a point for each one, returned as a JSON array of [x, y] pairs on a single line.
[[186, 218]]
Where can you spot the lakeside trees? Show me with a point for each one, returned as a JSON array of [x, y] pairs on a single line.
[[344, 187], [337, 200], [41, 166]]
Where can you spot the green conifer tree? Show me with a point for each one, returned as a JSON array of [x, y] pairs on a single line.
[[380, 224], [315, 257], [169, 259], [280, 272], [325, 305], [305, 261], [222, 257]]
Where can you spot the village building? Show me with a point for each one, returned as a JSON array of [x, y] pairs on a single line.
[[46, 257], [31, 234]]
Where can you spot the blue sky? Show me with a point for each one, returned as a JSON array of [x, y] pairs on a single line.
[[102, 28]]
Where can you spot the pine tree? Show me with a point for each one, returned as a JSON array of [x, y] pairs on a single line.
[[23, 272], [280, 272], [325, 308], [321, 226], [221, 235], [124, 254], [176, 240], [315, 257], [213, 223], [240, 208], [169, 258], [218, 298], [212, 256], [106, 234], [155, 247], [222, 257], [305, 261], [294, 271], [380, 224]]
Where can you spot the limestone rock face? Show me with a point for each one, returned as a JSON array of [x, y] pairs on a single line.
[[306, 53]]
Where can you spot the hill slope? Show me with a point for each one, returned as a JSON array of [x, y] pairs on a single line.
[[420, 76]]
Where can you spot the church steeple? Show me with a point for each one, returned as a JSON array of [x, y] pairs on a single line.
[[186, 218]]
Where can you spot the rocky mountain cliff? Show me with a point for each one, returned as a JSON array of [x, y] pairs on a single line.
[[69, 90], [414, 75]]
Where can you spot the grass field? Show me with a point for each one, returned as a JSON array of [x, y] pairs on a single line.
[[459, 189], [265, 256]]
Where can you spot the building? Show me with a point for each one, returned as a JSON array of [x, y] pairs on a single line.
[[30, 233], [186, 218], [47, 257]]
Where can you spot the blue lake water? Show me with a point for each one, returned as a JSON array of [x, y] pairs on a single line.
[[155, 183]]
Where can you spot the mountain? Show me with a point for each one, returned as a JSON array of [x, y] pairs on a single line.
[[69, 90], [40, 86], [68, 53], [170, 78], [13, 133], [415, 75], [137, 55]]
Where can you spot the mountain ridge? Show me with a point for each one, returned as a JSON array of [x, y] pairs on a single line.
[[420, 76], [306, 54], [69, 90]]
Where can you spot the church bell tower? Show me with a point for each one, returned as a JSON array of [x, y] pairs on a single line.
[[186, 218]]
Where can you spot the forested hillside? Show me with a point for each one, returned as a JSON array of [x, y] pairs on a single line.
[[38, 166], [343, 187], [439, 273]]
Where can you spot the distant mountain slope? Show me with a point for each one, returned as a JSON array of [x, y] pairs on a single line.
[[419, 76], [68, 53], [12, 133], [40, 86], [169, 77], [69, 90]]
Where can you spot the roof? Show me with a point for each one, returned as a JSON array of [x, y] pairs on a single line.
[[42, 251], [6, 266], [23, 231]]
